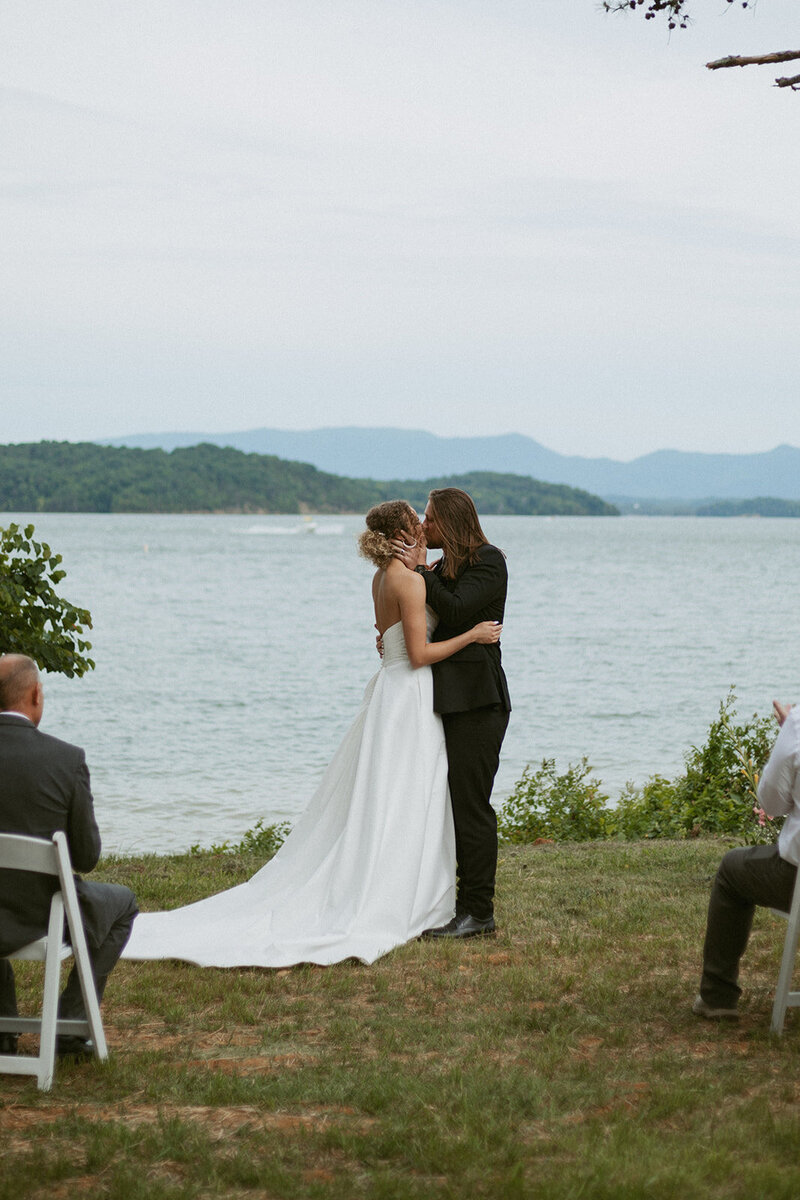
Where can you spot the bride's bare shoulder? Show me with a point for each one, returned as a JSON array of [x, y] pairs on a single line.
[[397, 580], [408, 583]]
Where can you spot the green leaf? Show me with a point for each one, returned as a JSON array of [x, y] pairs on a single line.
[[34, 619]]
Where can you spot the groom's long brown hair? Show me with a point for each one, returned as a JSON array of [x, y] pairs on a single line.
[[460, 530]]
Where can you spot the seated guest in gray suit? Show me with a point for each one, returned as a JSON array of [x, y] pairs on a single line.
[[44, 787]]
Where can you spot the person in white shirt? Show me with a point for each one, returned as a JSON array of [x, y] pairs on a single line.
[[752, 875]]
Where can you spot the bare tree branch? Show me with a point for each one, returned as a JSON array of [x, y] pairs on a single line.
[[758, 59], [676, 14]]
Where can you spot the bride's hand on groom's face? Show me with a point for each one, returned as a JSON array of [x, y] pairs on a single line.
[[410, 547]]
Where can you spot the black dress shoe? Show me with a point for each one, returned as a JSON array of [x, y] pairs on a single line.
[[462, 926], [8, 1043], [77, 1048]]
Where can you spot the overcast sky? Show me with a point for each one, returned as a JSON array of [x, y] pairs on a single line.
[[465, 216]]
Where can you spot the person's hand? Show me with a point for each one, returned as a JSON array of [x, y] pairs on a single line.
[[412, 551], [781, 711], [488, 632], [379, 643]]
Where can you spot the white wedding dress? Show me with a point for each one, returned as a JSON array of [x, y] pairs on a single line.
[[369, 865]]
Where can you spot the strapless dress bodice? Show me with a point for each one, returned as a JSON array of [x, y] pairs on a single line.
[[394, 645], [394, 642]]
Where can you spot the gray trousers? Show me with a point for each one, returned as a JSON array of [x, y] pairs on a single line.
[[746, 877], [108, 911]]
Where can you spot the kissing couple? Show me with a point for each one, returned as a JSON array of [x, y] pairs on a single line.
[[400, 838]]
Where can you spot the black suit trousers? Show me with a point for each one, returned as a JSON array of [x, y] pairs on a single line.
[[473, 740]]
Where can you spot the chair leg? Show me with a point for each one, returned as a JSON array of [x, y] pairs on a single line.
[[52, 977], [80, 951], [785, 974], [83, 966], [92, 1009]]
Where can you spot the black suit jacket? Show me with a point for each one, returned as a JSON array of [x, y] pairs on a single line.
[[474, 676], [44, 787]]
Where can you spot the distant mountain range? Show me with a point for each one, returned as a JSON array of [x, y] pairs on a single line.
[[363, 453]]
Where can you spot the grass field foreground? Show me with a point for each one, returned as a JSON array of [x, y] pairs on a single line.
[[558, 1059]]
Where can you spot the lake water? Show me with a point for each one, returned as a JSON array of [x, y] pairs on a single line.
[[232, 653]]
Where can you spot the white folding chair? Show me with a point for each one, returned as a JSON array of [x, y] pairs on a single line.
[[20, 853], [784, 997]]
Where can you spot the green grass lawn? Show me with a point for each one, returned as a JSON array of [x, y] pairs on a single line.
[[558, 1059]]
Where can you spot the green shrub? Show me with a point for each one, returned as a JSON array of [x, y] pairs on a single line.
[[719, 788], [655, 810], [262, 840], [568, 807], [716, 794]]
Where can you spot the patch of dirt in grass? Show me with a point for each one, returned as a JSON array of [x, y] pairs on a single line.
[[260, 1064], [165, 1172], [154, 1037], [219, 1122], [227, 1050], [318, 1175], [727, 1038], [66, 1189], [586, 1048], [628, 1100]]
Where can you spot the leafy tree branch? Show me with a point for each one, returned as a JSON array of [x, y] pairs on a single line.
[[34, 619]]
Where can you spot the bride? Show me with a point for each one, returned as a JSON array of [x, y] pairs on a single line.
[[370, 864]]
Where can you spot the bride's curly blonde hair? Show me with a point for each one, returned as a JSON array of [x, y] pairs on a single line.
[[383, 522]]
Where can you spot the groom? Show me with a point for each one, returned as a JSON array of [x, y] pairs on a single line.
[[465, 586]]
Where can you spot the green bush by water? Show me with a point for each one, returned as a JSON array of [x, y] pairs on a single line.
[[262, 840], [565, 808], [715, 794]]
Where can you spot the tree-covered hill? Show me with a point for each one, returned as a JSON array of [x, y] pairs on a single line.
[[508, 495], [85, 477]]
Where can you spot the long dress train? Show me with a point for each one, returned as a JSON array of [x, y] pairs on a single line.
[[369, 865]]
